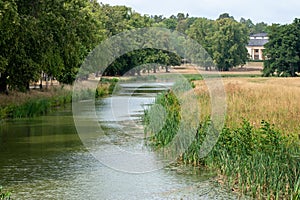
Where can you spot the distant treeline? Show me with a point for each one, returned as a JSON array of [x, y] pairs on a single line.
[[50, 39]]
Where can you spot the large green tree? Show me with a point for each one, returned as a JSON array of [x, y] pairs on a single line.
[[229, 44], [224, 39], [45, 36], [9, 22], [283, 50], [202, 31]]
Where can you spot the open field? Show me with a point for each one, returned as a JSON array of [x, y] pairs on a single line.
[[251, 68], [275, 100], [252, 97]]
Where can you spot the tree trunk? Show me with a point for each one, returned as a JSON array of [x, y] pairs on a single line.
[[292, 70], [41, 83], [47, 81], [27, 86], [3, 83]]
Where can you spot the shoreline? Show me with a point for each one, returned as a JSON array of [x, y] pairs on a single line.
[[39, 102]]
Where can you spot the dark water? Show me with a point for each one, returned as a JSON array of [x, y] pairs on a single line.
[[44, 158]]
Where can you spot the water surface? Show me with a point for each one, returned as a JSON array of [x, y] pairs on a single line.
[[44, 158]]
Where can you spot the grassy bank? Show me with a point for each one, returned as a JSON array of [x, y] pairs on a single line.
[[33, 103], [258, 162], [40, 102], [253, 156]]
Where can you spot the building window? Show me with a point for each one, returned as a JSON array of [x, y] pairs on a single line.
[[256, 50], [256, 57]]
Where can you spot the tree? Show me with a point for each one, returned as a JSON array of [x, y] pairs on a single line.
[[283, 50], [249, 25], [225, 15], [224, 40], [9, 21], [202, 30], [133, 62], [260, 27], [80, 34], [185, 24], [229, 44], [20, 44], [49, 36], [157, 18], [169, 23]]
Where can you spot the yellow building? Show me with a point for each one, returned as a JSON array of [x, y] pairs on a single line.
[[256, 44]]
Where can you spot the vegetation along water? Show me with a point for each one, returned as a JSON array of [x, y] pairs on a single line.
[[258, 160]]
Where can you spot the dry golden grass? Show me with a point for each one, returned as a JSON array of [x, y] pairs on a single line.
[[275, 100], [251, 68]]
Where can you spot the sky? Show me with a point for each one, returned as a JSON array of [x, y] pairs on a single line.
[[268, 11]]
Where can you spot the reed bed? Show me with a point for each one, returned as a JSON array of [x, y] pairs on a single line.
[[258, 162]]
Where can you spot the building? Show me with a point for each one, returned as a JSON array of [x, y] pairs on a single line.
[[256, 44]]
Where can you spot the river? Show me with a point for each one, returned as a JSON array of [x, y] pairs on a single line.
[[44, 158]]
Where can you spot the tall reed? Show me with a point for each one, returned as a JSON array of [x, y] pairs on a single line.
[[258, 161]]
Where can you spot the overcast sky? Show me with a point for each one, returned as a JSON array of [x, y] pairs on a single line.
[[269, 11]]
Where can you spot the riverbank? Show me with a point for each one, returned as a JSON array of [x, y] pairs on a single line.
[[257, 153], [39, 102], [45, 157], [33, 102]]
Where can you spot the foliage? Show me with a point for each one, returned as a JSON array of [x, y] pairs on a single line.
[[4, 195], [230, 40], [134, 62], [225, 15], [258, 162], [260, 27], [170, 103], [50, 39], [202, 31], [283, 50], [224, 39], [45, 36]]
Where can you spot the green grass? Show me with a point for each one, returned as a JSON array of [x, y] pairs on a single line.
[[138, 78], [42, 105], [4, 195], [172, 118], [35, 107], [258, 162], [262, 163], [194, 77]]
